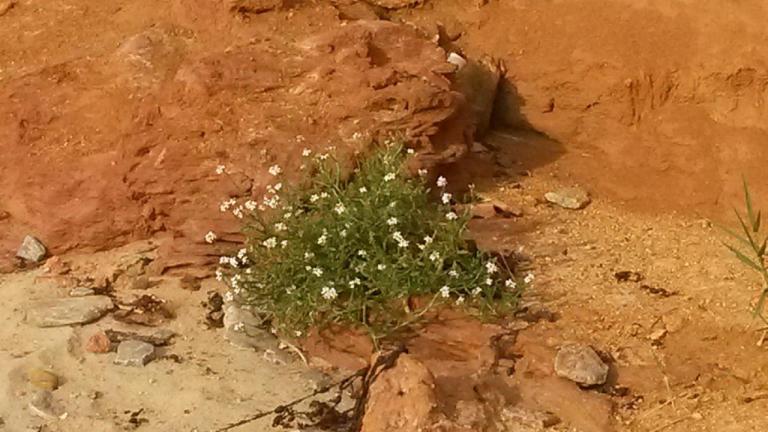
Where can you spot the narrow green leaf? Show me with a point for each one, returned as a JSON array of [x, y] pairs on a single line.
[[746, 230], [756, 225], [748, 199], [761, 252], [743, 258], [733, 234], [761, 303]]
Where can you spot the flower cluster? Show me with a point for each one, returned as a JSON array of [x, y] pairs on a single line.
[[357, 250]]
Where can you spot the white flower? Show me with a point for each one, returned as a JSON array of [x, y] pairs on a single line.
[[317, 271], [322, 239], [302, 167], [238, 212], [339, 209], [453, 273], [434, 256], [229, 297], [528, 278], [270, 243], [446, 198], [248, 271], [238, 327], [343, 233], [381, 267], [309, 255], [251, 205], [442, 182], [410, 151], [298, 333], [329, 293], [283, 243], [509, 283], [275, 170], [324, 156], [210, 237], [323, 194], [278, 186], [428, 240], [451, 216], [287, 215], [306, 152], [476, 291], [445, 291], [460, 300], [221, 169], [290, 289], [401, 242], [280, 227], [389, 177], [226, 205], [314, 198], [362, 253], [219, 275], [363, 189], [489, 281], [392, 221], [354, 282], [422, 173], [271, 202], [491, 267], [242, 255], [224, 260]]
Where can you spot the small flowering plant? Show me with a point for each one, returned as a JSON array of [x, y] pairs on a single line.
[[371, 250]]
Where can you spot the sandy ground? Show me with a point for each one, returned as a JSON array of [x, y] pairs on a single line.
[[214, 383]]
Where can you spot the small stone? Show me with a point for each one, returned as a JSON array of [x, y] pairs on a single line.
[[68, 311], [697, 416], [98, 343], [81, 292], [32, 250], [573, 198], [5, 6], [190, 283], [134, 353], [657, 336], [43, 379], [580, 364], [140, 283], [42, 405]]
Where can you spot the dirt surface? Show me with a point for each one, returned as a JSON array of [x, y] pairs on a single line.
[[116, 116], [198, 382]]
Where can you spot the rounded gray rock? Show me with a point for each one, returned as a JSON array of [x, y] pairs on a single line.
[[32, 250], [580, 364], [573, 198], [134, 353]]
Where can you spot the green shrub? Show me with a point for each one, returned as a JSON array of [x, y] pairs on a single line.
[[752, 249], [360, 250]]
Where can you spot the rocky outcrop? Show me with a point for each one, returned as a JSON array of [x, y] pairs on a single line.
[[101, 151]]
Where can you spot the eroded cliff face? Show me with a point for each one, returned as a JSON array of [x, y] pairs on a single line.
[[123, 144], [114, 118], [658, 104]]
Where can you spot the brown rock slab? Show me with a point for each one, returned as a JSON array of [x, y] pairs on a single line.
[[68, 311]]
